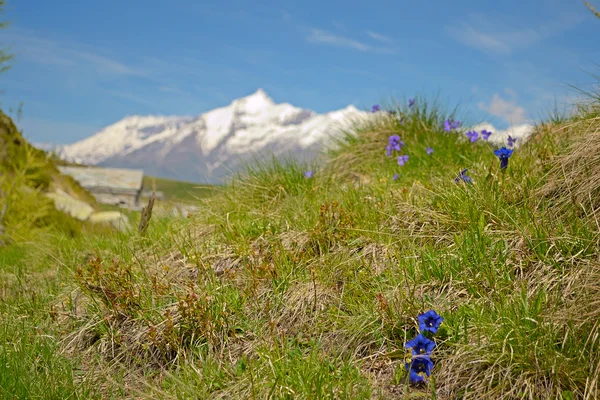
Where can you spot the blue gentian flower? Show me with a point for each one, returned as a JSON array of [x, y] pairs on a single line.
[[395, 177], [420, 345], [511, 141], [485, 134], [419, 368], [463, 176], [411, 102], [473, 136], [429, 151], [503, 154], [309, 174], [402, 160], [430, 321], [375, 108]]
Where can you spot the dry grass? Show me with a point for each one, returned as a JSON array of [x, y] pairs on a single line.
[[574, 181]]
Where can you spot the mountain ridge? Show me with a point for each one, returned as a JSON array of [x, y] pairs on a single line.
[[210, 146]]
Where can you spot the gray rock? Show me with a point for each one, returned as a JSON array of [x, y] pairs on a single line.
[[113, 218], [75, 208]]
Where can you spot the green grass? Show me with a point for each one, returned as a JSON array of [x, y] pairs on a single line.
[[178, 190], [285, 287]]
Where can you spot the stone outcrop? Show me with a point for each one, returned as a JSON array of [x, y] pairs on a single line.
[[69, 205]]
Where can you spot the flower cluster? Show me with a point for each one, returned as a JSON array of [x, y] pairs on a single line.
[[418, 358], [450, 125], [473, 136], [394, 143], [309, 174], [375, 108], [402, 160]]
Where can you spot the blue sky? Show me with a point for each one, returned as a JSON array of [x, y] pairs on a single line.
[[83, 65]]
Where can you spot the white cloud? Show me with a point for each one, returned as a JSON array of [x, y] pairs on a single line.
[[39, 50], [520, 132], [379, 37], [508, 110], [320, 36], [495, 36]]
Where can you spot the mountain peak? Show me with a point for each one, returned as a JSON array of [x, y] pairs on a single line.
[[254, 103]]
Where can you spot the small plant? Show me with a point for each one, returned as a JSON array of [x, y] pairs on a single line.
[[394, 144], [450, 125], [146, 215], [503, 154], [511, 141], [485, 134], [418, 362], [462, 176], [473, 136]]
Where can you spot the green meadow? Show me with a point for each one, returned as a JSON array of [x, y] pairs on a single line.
[[282, 286]]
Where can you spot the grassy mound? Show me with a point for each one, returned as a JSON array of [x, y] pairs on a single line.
[[26, 173], [283, 285], [296, 287]]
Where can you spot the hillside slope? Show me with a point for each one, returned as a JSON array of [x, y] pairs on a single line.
[[26, 174], [294, 285]]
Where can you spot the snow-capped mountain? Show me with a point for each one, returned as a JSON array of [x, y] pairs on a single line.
[[209, 147]]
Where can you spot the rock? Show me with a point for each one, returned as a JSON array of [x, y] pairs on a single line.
[[75, 208], [113, 218]]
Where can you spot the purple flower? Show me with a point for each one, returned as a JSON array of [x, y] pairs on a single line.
[[309, 174], [450, 124], [394, 143], [420, 345], [402, 160], [411, 102], [419, 368], [503, 154], [430, 321], [473, 136], [375, 108], [463, 176], [429, 151], [395, 177], [511, 141], [485, 134]]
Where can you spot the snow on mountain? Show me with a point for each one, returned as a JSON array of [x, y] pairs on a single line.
[[210, 146]]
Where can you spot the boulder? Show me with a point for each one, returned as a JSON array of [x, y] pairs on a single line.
[[75, 208], [113, 218]]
